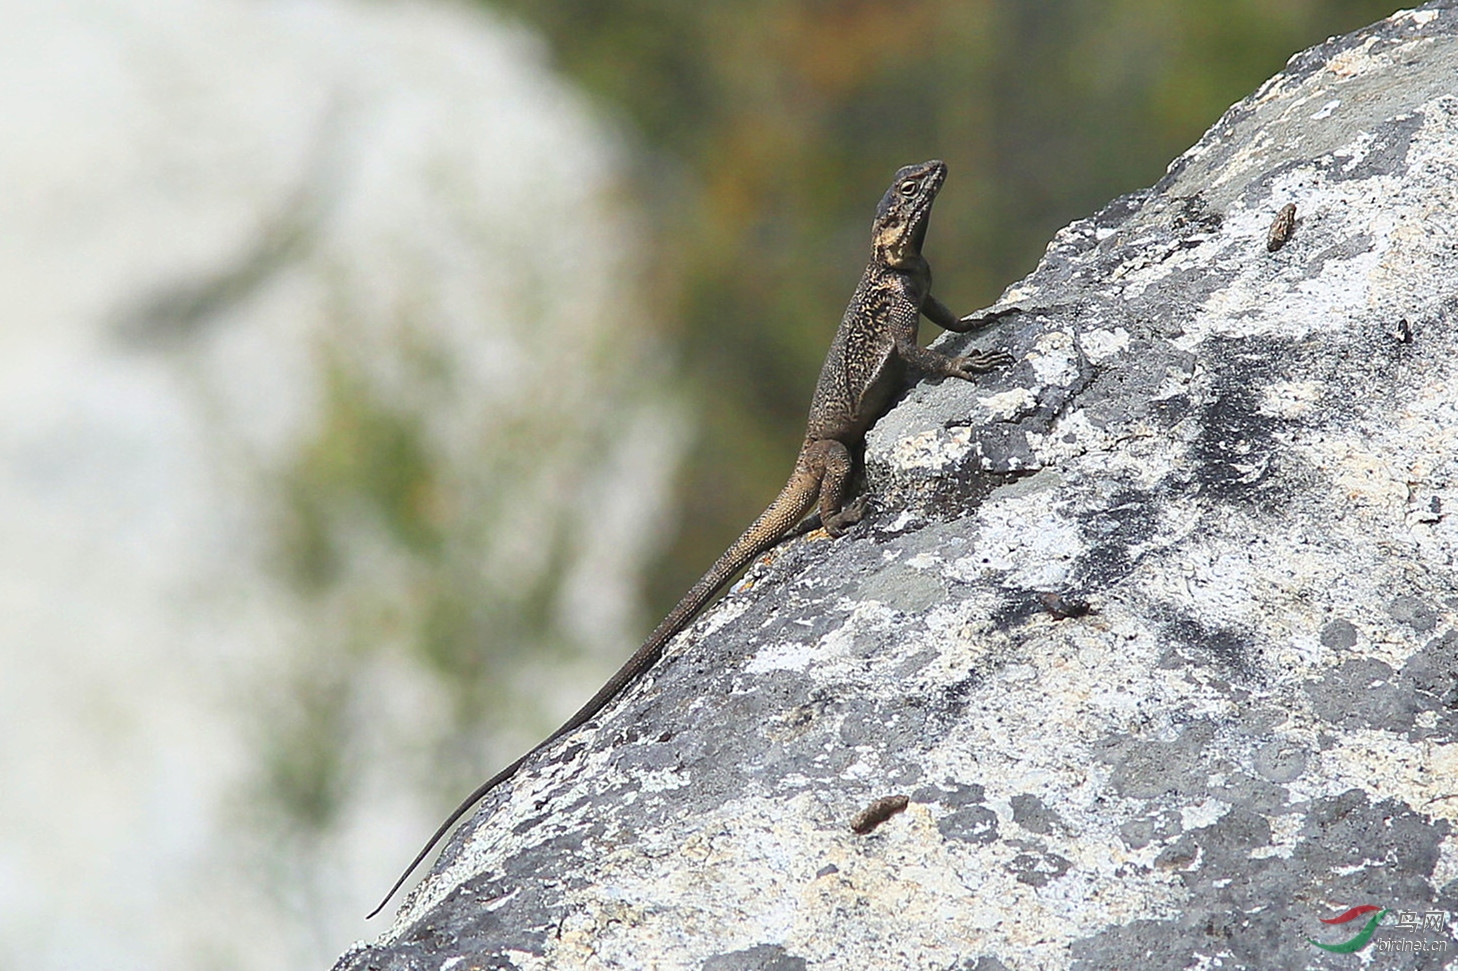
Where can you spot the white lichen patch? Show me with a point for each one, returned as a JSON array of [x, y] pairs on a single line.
[[1357, 61], [1206, 812], [1100, 344], [661, 781], [1297, 304], [828, 654], [724, 614], [1445, 870], [1368, 479], [1418, 18], [1009, 404], [925, 560], [1424, 227], [1287, 830], [1386, 766], [1375, 232], [1071, 434], [1054, 358], [1291, 399], [931, 450], [904, 518], [1024, 541], [1261, 589]]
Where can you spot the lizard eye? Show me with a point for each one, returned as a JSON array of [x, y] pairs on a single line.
[[908, 188]]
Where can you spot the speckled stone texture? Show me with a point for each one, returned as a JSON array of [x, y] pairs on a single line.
[[1244, 462]]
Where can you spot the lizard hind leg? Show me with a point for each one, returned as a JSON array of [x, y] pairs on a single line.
[[850, 514], [831, 462]]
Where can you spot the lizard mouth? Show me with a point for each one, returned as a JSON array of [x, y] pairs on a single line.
[[931, 185]]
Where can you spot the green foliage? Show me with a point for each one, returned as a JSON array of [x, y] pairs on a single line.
[[786, 118], [368, 460], [305, 753], [388, 535]]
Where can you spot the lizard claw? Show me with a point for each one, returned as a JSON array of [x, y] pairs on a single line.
[[849, 515], [978, 362]]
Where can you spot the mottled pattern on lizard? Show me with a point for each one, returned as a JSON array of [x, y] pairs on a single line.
[[864, 371]]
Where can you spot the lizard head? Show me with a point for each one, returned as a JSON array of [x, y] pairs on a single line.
[[905, 209]]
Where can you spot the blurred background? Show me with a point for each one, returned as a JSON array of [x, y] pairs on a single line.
[[374, 373]]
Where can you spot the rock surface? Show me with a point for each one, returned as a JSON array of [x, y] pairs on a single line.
[[1244, 462]]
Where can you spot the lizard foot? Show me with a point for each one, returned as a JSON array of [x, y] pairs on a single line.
[[978, 362], [851, 514]]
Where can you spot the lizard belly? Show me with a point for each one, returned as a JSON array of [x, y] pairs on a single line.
[[878, 392]]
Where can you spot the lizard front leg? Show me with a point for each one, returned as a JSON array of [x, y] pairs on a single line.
[[942, 315], [942, 365], [939, 314], [935, 363]]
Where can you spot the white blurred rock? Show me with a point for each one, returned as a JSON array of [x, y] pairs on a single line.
[[204, 206]]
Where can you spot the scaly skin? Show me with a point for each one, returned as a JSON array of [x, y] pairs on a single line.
[[864, 371]]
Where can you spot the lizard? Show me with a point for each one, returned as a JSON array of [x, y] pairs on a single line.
[[865, 369]]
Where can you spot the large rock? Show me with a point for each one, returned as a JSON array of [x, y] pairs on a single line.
[[1244, 461]]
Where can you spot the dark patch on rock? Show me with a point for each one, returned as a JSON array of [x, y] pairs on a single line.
[[950, 794], [1257, 794], [1258, 191], [1255, 910], [1233, 651], [984, 964], [1413, 612], [1038, 869], [1125, 523], [952, 700], [761, 957], [1340, 252], [518, 922], [1158, 827], [1016, 608], [1363, 693], [1178, 856], [1280, 761], [1339, 635], [1432, 676], [899, 728], [1147, 768], [1126, 385], [1003, 447], [1234, 457], [1384, 155], [974, 824], [1193, 216], [915, 664], [940, 498], [1030, 813]]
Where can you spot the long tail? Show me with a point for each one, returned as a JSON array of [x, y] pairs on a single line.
[[792, 504]]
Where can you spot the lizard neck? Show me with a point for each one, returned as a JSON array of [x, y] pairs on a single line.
[[902, 251]]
